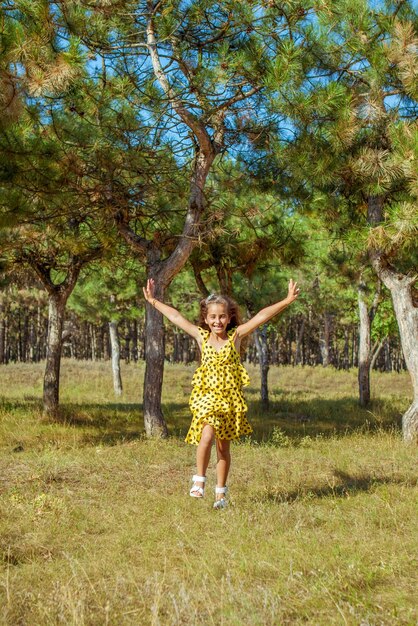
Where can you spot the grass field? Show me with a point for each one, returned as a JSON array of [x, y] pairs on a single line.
[[96, 526]]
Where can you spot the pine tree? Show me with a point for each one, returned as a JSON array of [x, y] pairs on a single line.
[[355, 123], [209, 66]]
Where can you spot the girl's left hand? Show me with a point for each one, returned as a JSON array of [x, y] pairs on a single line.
[[293, 291], [149, 290]]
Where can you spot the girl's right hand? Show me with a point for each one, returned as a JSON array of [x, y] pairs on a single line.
[[149, 290], [293, 291]]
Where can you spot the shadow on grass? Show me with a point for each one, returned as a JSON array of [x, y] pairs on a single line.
[[104, 424], [10, 406], [117, 422], [321, 417], [342, 485]]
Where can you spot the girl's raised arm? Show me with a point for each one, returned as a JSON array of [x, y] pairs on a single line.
[[269, 312], [170, 312]]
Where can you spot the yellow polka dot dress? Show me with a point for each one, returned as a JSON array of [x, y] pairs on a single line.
[[217, 397]]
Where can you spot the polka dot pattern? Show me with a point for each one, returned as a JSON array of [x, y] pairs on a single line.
[[217, 397]]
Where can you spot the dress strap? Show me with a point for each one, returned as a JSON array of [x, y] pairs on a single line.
[[231, 333], [203, 333]]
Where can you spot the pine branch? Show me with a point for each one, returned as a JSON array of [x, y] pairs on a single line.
[[188, 118], [137, 243]]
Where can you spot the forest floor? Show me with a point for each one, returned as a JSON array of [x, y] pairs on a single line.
[[96, 526]]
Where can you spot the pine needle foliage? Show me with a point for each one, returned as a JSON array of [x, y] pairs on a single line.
[[355, 122]]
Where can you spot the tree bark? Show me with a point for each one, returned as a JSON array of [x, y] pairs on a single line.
[[407, 318], [115, 352], [401, 289], [375, 353], [163, 271], [2, 333], [58, 295], [53, 354], [364, 355], [324, 339], [208, 143], [299, 340], [155, 425]]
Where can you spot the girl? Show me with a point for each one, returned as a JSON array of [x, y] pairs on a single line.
[[216, 402]]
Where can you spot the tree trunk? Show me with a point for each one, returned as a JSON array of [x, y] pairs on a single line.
[[115, 352], [134, 333], [154, 422], [375, 352], [2, 333], [364, 355], [299, 340], [53, 355], [400, 287], [260, 339], [92, 333], [407, 318], [324, 339]]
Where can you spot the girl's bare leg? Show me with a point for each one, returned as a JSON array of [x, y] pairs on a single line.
[[223, 464], [203, 451]]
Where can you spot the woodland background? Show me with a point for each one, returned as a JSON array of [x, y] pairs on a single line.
[[212, 146]]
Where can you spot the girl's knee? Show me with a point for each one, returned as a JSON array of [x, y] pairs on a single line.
[[207, 434], [222, 446]]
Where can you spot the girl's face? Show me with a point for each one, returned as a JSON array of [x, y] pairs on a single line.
[[217, 318]]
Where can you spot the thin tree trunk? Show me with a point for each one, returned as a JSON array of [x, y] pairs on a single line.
[[134, 333], [364, 348], [92, 333], [324, 339], [260, 340], [115, 352], [299, 340], [375, 352], [25, 336], [53, 355], [40, 329], [2, 333]]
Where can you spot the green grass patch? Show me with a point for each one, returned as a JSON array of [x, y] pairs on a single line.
[[96, 526]]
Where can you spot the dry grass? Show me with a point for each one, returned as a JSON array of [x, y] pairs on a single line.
[[96, 526]]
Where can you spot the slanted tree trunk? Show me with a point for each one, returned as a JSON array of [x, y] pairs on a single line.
[[260, 340], [115, 352], [197, 267], [401, 289], [207, 133], [164, 270], [377, 348]]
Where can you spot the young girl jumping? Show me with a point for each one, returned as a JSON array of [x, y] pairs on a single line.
[[216, 402]]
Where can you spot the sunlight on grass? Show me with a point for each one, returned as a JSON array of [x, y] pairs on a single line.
[[96, 526]]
